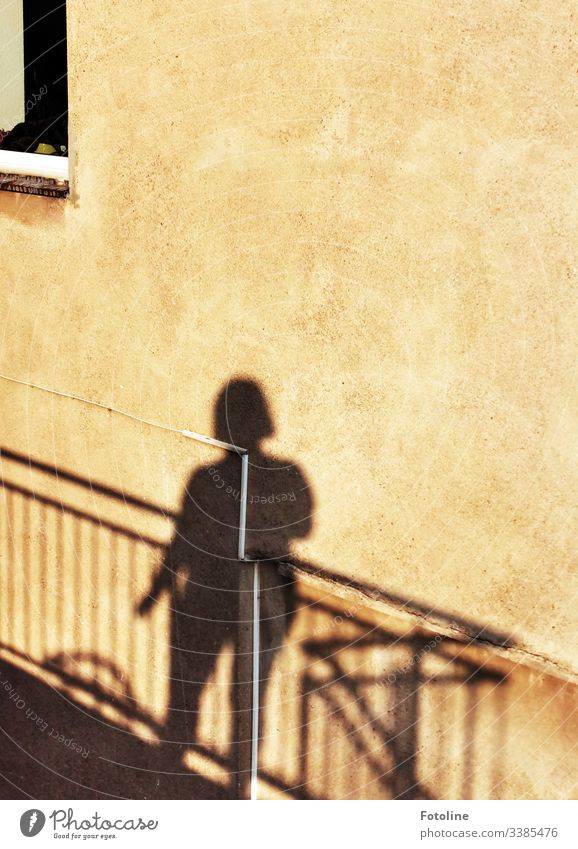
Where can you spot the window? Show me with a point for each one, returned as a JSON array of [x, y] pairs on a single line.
[[34, 98]]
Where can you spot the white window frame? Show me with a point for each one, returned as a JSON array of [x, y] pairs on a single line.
[[18, 164]]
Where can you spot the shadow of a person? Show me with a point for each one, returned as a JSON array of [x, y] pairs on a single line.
[[210, 594]]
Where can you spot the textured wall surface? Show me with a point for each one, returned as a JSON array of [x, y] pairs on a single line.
[[367, 208]]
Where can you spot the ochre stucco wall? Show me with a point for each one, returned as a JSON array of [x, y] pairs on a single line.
[[368, 208]]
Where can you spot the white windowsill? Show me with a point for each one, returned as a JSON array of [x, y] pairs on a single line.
[[34, 165], [33, 174]]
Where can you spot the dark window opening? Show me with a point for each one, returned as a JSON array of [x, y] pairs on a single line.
[[43, 127]]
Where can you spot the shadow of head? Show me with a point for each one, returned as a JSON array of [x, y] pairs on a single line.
[[280, 500], [242, 414]]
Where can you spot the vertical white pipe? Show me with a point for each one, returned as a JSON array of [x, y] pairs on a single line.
[[243, 507], [256, 694]]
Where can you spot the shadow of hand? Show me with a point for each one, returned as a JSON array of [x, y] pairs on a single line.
[[145, 605]]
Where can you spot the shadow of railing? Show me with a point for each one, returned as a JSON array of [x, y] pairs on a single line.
[[354, 707], [69, 579], [380, 709]]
